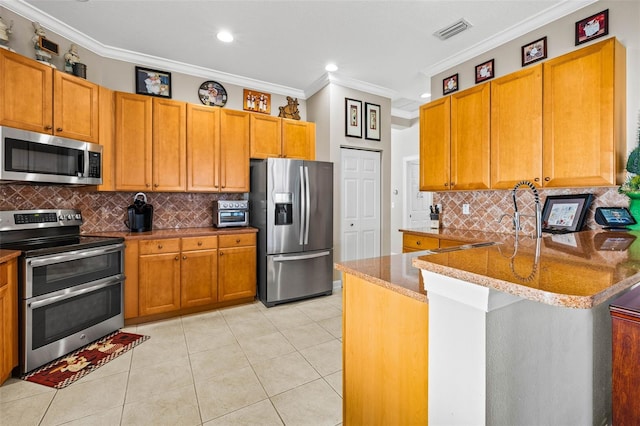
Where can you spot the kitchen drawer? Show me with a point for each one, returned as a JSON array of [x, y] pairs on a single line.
[[237, 240], [199, 243], [418, 242], [160, 246]]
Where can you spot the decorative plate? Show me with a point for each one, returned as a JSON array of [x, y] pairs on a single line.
[[212, 93]]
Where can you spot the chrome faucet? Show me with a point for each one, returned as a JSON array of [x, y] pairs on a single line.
[[516, 213]]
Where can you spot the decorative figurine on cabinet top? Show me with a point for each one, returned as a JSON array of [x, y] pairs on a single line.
[[290, 110], [71, 58], [43, 47], [4, 34]]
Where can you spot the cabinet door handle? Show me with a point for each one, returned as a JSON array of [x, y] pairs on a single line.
[[221, 253], [177, 257], [547, 179], [184, 257], [446, 184], [536, 180], [59, 129], [147, 185], [155, 184], [453, 184], [48, 127]]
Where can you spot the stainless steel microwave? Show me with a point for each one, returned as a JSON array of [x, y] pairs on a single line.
[[37, 157]]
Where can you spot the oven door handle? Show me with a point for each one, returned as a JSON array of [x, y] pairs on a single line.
[[73, 255], [75, 293]]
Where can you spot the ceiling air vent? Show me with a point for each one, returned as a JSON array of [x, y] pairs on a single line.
[[453, 29]]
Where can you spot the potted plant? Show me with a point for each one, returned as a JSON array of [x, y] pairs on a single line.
[[631, 187]]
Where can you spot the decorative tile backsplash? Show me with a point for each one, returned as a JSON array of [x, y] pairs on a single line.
[[107, 211], [487, 207]]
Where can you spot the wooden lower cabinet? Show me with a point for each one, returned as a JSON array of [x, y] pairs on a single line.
[[625, 324], [385, 355], [8, 318], [159, 276], [174, 276], [199, 271], [237, 267]]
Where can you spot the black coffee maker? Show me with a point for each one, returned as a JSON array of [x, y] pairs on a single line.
[[139, 214]]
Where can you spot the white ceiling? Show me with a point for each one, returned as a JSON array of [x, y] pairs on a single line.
[[383, 47]]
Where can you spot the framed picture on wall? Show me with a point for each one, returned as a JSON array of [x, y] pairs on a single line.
[[353, 118], [153, 82], [372, 121], [484, 71], [450, 84], [592, 27], [534, 51]]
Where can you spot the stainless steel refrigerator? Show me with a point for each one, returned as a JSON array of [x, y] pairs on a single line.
[[291, 203]]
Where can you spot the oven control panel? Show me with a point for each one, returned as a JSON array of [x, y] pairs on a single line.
[[21, 219]]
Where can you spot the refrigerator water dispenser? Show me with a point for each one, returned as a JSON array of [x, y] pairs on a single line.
[[284, 208]]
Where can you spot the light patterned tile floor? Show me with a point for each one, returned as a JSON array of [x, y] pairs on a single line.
[[243, 365]]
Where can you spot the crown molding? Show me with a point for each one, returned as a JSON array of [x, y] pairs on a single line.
[[349, 83], [541, 19], [401, 113], [31, 13]]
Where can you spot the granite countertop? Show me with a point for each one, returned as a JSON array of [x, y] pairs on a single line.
[[578, 270], [394, 272], [176, 233]]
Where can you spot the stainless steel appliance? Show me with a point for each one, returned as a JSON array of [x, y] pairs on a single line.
[[291, 203], [37, 157], [228, 213], [70, 287]]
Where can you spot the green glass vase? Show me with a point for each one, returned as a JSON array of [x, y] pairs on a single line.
[[634, 208]]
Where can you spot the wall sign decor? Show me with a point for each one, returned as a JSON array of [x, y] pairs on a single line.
[[534, 51], [212, 93], [592, 27], [353, 118], [153, 82], [450, 84], [372, 121], [256, 101], [484, 71]]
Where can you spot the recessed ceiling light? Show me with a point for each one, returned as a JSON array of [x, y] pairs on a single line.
[[331, 68], [225, 36], [425, 95]]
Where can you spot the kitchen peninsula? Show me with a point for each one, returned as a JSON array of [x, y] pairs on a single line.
[[517, 332]]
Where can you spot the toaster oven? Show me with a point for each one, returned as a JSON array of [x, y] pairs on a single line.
[[229, 213]]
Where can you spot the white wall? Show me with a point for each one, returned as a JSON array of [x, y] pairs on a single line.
[[405, 143]]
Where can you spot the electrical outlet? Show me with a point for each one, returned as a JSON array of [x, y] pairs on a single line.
[[465, 209]]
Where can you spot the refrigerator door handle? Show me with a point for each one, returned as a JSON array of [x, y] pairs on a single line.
[[308, 203], [301, 257], [303, 206]]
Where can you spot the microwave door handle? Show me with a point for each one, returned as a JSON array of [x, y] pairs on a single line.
[[81, 162]]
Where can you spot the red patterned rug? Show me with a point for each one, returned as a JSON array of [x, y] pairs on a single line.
[[69, 368]]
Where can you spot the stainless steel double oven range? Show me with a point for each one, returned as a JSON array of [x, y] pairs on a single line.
[[70, 286]]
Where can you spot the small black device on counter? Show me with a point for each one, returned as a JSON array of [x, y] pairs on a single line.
[[139, 214], [565, 213], [614, 218]]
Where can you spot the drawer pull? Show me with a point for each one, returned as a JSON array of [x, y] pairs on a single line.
[[160, 246], [238, 241], [199, 243], [417, 243]]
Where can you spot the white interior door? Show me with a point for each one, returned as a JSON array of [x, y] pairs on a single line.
[[360, 211], [416, 212]]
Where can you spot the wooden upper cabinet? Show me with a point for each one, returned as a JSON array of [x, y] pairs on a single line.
[[234, 151], [169, 145], [584, 116], [516, 128], [203, 148], [133, 142], [26, 93], [470, 138], [35, 97], [265, 136], [435, 139], [107, 139], [298, 139], [75, 107]]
